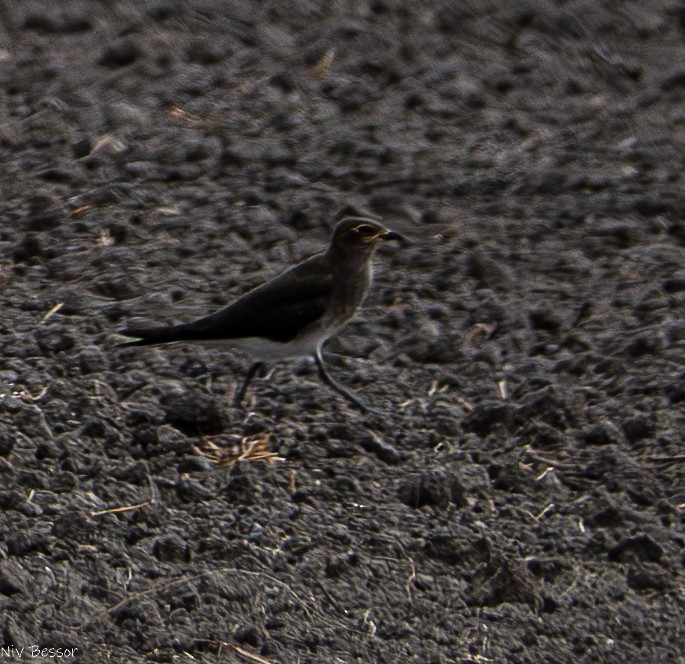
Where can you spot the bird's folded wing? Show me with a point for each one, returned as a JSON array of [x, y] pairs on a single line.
[[279, 310]]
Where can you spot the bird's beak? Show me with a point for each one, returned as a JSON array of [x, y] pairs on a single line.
[[388, 236]]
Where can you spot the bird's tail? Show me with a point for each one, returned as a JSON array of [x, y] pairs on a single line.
[[151, 336]]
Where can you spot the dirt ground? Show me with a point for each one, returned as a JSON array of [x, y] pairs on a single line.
[[522, 496]]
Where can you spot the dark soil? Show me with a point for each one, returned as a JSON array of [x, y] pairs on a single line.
[[522, 498]]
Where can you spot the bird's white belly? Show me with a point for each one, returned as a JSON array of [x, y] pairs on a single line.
[[266, 349], [260, 348]]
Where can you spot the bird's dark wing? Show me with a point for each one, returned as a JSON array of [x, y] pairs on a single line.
[[278, 311]]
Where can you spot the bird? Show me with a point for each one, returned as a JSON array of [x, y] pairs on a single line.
[[293, 314]]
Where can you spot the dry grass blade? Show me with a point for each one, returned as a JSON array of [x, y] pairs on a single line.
[[27, 397], [107, 144], [667, 460], [125, 508], [80, 210], [251, 448], [253, 657], [154, 496], [322, 68], [186, 117], [211, 124], [53, 311], [479, 332]]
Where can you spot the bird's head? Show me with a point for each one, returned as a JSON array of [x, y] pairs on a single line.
[[361, 235]]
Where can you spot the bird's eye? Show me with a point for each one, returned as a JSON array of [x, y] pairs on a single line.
[[364, 230]]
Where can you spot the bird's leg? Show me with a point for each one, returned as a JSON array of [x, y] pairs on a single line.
[[251, 373], [354, 400]]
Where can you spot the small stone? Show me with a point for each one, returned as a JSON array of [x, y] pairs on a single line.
[[8, 440], [195, 413], [91, 359], [170, 549], [640, 547], [195, 464], [120, 53]]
